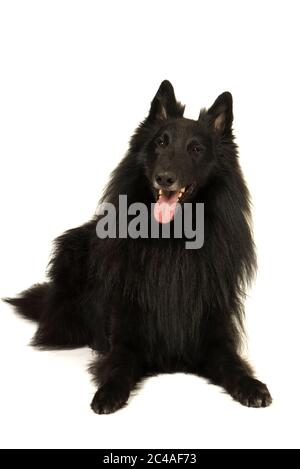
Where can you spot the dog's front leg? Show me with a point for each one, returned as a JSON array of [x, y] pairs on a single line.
[[224, 366], [116, 375]]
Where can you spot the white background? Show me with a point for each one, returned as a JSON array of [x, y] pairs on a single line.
[[76, 78]]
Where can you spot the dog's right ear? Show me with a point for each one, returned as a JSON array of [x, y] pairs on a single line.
[[164, 104]]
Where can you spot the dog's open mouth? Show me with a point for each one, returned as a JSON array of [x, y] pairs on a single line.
[[167, 203]]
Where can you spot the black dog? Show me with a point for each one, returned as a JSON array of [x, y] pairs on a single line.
[[151, 305]]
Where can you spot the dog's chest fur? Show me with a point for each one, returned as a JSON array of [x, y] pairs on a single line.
[[165, 284]]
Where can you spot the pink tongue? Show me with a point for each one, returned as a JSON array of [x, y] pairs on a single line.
[[164, 209]]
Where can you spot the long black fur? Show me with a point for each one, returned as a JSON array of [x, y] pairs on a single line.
[[151, 305]]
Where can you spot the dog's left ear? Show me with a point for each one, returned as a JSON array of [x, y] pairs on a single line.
[[220, 115], [164, 104]]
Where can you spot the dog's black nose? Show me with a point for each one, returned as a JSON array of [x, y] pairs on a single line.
[[165, 179]]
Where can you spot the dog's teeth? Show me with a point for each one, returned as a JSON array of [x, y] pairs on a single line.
[[160, 192], [180, 195], [182, 190]]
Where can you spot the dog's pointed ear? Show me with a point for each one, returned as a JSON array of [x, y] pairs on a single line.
[[164, 104], [220, 115]]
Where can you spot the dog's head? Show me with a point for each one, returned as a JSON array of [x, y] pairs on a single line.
[[180, 155]]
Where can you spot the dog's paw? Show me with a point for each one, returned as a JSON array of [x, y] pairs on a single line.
[[109, 399], [252, 393]]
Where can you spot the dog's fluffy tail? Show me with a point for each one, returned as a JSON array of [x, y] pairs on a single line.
[[31, 303]]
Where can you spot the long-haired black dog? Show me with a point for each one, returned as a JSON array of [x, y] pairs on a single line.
[[151, 305]]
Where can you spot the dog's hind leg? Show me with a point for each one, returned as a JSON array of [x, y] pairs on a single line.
[[62, 318], [61, 324], [74, 308], [68, 307]]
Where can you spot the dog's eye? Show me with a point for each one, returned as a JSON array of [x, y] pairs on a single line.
[[162, 141], [196, 148]]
